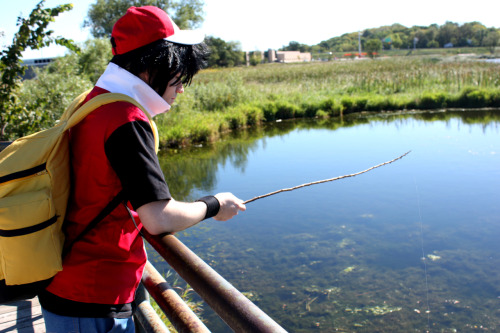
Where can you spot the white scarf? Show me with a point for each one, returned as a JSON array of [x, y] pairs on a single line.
[[118, 80]]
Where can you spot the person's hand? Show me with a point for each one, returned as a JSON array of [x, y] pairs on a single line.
[[229, 206]]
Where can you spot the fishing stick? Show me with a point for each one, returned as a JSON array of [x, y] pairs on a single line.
[[326, 180]]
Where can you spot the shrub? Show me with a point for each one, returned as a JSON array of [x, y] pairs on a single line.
[[235, 118], [270, 109], [495, 98], [285, 110], [321, 114], [172, 137], [473, 98], [331, 106], [347, 104], [255, 115], [42, 100], [377, 103], [328, 105], [432, 100], [201, 132], [309, 109], [359, 104]]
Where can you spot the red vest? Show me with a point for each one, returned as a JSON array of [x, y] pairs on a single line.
[[105, 266]]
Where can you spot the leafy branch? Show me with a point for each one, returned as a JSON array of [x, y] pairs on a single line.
[[32, 34]]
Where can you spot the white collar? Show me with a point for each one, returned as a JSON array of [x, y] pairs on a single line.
[[118, 80]]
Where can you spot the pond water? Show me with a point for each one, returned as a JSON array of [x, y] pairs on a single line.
[[412, 246]]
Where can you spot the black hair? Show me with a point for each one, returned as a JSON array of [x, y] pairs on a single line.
[[162, 61]]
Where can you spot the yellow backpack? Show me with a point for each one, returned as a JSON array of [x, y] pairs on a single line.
[[34, 190]]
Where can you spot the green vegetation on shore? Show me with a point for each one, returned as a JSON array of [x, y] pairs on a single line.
[[226, 99], [414, 76]]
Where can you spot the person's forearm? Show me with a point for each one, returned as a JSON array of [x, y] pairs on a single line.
[[171, 216]]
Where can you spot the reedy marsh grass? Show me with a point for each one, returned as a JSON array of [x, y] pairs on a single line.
[[228, 99]]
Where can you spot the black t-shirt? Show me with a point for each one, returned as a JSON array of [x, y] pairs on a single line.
[[130, 150]]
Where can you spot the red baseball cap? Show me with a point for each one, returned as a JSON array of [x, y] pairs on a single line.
[[143, 25]]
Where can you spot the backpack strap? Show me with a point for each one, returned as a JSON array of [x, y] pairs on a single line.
[[115, 202], [77, 112], [75, 104]]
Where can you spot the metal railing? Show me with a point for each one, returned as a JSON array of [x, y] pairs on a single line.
[[174, 307], [237, 311]]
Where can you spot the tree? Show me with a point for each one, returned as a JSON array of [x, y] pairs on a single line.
[[464, 35], [188, 13], [94, 58], [448, 33], [492, 39], [56, 85], [396, 40], [223, 54], [255, 58], [296, 46], [46, 96], [479, 32], [398, 36], [103, 14], [324, 46], [346, 42], [373, 46], [433, 44], [32, 34], [430, 35]]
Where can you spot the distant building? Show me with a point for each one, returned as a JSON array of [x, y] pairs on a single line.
[[289, 56], [271, 55], [31, 63]]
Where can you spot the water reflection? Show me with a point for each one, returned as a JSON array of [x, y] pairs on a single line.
[[193, 170], [349, 255]]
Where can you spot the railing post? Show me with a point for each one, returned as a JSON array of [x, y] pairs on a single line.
[[233, 307], [148, 320], [179, 313]]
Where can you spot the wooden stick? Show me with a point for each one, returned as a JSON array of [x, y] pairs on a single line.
[[326, 180]]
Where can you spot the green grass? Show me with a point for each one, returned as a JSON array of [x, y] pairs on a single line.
[[228, 99]]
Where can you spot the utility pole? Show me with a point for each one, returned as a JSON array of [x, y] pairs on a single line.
[[359, 43]]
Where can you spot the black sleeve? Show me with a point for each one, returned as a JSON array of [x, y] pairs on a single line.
[[131, 153]]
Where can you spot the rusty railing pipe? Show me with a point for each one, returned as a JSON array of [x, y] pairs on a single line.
[[177, 311], [239, 313], [146, 318]]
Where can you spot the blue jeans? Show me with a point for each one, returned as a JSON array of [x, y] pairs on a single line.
[[61, 324]]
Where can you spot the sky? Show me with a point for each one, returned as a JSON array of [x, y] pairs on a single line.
[[264, 24]]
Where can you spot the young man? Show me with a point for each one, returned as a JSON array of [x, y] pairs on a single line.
[[113, 153]]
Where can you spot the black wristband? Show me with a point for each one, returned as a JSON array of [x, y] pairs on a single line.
[[213, 206]]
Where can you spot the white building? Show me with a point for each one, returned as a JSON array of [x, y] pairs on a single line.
[[293, 56]]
